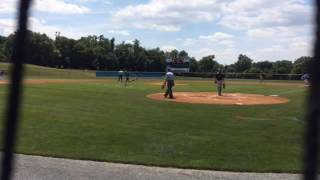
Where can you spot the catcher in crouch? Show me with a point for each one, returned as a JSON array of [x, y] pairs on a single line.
[[219, 80], [169, 82]]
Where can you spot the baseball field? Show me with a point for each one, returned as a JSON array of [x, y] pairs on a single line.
[[72, 114]]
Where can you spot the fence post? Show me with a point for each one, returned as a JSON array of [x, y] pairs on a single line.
[[14, 98]]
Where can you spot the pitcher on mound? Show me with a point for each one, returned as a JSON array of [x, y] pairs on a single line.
[[219, 81]]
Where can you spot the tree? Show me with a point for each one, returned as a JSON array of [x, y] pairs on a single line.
[[83, 56], [174, 54], [65, 47], [136, 46], [263, 66], [207, 64], [108, 62], [156, 60], [282, 67], [183, 54], [255, 70], [243, 64], [230, 68], [41, 49], [301, 65], [125, 54], [104, 43], [112, 44], [2, 40], [2, 53], [193, 65], [99, 52]]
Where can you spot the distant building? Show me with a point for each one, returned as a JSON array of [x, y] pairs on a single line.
[[178, 65]]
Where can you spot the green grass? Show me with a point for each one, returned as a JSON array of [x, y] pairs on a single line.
[[106, 122], [34, 71]]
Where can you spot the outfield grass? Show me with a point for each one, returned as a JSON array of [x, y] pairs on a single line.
[[34, 71], [104, 121]]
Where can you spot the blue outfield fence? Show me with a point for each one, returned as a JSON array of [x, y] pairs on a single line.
[[203, 75], [132, 74]]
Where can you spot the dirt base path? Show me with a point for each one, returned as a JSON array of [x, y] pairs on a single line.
[[57, 81], [226, 99]]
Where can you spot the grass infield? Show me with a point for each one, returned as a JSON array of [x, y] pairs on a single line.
[[105, 121]]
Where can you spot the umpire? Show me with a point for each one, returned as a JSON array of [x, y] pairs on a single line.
[[169, 82]]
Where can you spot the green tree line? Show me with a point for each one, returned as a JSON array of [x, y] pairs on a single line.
[[101, 53]]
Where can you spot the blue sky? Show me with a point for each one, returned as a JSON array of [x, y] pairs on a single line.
[[262, 29]]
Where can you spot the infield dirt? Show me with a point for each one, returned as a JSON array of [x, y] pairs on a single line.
[[226, 99]]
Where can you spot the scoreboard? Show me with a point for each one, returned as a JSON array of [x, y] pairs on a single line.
[[178, 65]]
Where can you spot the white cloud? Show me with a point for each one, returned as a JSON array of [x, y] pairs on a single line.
[[227, 43], [129, 41], [7, 26], [281, 51], [85, 1], [168, 48], [59, 7], [188, 41], [300, 44], [7, 23], [7, 6], [227, 56], [261, 33], [150, 26], [218, 36], [172, 15], [278, 33], [167, 15], [224, 56], [217, 39], [48, 6], [107, 2], [284, 39], [221, 44], [205, 51], [275, 29], [244, 14], [38, 25], [272, 49], [119, 32]]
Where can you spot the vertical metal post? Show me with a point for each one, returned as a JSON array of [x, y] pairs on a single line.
[[14, 98], [313, 110]]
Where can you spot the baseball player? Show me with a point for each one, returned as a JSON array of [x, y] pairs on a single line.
[[120, 75], [306, 79], [127, 75], [1, 74], [169, 82], [219, 81], [261, 78]]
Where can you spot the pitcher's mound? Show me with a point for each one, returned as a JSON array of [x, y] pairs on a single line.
[[226, 99]]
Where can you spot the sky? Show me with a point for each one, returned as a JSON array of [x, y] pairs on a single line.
[[262, 29]]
